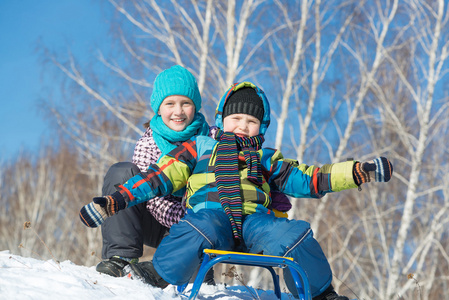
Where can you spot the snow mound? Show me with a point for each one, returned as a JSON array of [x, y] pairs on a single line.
[[28, 278]]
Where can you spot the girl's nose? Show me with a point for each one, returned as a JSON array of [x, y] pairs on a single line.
[[178, 109]]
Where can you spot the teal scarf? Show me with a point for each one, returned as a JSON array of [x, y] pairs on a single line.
[[165, 137]]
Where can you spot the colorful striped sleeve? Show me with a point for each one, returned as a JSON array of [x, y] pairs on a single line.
[[166, 177], [303, 181]]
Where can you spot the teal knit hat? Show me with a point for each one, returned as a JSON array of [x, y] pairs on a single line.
[[176, 80]]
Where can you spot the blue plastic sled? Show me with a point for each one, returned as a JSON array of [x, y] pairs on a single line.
[[213, 257]]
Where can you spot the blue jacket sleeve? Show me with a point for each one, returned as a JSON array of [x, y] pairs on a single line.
[[303, 181]]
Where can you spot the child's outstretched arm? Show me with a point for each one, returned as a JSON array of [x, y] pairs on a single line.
[[138, 189], [305, 181], [163, 178]]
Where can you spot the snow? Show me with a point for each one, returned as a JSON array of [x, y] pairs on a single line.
[[28, 278]]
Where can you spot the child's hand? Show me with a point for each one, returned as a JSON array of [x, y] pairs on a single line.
[[379, 170], [94, 213]]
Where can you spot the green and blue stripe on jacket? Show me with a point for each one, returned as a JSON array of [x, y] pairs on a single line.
[[192, 165]]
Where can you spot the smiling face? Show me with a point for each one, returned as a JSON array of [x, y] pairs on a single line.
[[177, 112], [242, 125]]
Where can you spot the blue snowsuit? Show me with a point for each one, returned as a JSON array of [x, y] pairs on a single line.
[[207, 226]]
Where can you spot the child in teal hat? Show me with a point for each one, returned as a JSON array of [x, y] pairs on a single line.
[[176, 101], [171, 85]]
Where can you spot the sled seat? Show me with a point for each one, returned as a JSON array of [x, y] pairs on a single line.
[[213, 257]]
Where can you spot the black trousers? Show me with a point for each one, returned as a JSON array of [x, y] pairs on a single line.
[[125, 233]]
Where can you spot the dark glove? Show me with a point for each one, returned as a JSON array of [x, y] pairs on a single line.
[[94, 213], [280, 201], [378, 170]]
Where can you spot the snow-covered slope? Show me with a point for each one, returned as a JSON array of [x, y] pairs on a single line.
[[28, 278]]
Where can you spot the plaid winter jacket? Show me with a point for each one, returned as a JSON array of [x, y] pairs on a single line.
[[166, 210], [192, 165]]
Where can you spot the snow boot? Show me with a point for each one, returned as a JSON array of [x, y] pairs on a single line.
[[330, 294], [146, 272], [114, 266]]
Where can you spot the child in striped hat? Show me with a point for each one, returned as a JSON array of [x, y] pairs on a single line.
[[229, 182]]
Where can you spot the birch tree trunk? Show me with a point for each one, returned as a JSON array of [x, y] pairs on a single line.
[[292, 70], [424, 103], [367, 74]]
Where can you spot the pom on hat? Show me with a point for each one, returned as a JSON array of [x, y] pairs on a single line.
[[176, 80], [244, 101]]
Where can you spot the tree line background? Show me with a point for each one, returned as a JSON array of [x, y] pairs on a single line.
[[345, 79]]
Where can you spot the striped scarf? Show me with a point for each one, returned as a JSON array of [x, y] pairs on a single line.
[[227, 173]]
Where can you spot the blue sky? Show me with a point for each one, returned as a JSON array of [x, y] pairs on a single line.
[[59, 24]]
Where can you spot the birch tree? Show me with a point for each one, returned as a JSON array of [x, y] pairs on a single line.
[[402, 228], [302, 73], [431, 67], [367, 66], [44, 191]]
